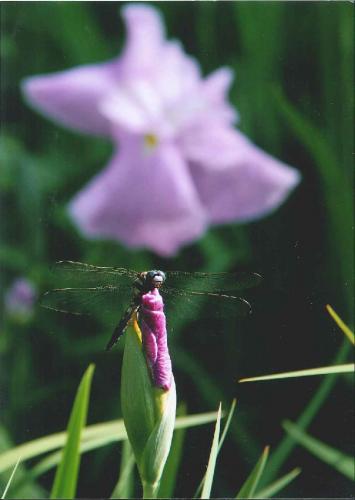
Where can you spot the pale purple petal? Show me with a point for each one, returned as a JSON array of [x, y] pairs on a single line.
[[72, 97], [145, 39], [144, 198], [216, 87], [134, 107], [256, 185], [160, 100], [155, 342], [213, 145]]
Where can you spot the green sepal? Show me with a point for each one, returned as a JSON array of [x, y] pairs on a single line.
[[138, 405], [158, 446]]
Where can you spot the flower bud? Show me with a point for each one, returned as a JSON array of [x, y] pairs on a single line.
[[20, 299], [148, 394]]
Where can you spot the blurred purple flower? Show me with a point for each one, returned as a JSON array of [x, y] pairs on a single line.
[[180, 165], [20, 298]]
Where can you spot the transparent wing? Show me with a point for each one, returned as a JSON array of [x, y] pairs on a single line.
[[190, 304], [80, 275], [105, 302], [212, 282]]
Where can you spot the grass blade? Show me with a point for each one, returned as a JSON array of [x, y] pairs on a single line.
[[66, 477], [331, 456], [250, 485], [283, 450], [207, 485], [10, 479], [221, 441], [273, 488], [324, 370], [228, 422], [93, 436], [345, 329]]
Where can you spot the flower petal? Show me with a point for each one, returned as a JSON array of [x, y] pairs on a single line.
[[145, 38], [143, 198], [255, 185], [134, 107], [71, 97], [213, 145], [215, 89]]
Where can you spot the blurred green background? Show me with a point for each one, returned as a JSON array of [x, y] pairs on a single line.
[[293, 89]]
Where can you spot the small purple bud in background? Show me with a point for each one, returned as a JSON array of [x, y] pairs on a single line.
[[155, 344], [20, 298]]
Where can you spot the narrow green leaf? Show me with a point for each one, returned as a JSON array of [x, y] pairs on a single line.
[[345, 329], [93, 436], [273, 488], [207, 485], [227, 424], [168, 479], [331, 456], [324, 370], [66, 477], [124, 486], [221, 441], [10, 479], [53, 459], [250, 485], [279, 456]]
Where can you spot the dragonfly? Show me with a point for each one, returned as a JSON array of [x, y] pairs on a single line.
[[103, 290]]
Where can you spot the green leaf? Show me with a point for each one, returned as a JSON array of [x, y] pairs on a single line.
[[124, 486], [250, 485], [331, 456], [93, 436], [345, 329], [207, 485], [336, 185], [67, 473], [272, 489], [283, 450], [324, 370], [10, 479], [221, 441]]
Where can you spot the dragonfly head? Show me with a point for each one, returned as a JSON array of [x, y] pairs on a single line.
[[154, 279]]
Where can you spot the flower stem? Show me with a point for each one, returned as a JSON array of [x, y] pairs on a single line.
[[150, 490]]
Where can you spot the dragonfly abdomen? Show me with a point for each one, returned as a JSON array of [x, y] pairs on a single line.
[[122, 325]]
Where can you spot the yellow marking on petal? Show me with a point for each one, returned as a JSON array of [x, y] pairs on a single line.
[[150, 141], [345, 329]]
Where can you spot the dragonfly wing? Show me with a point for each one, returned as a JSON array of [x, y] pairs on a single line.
[[106, 303], [81, 275], [191, 304], [212, 282]]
